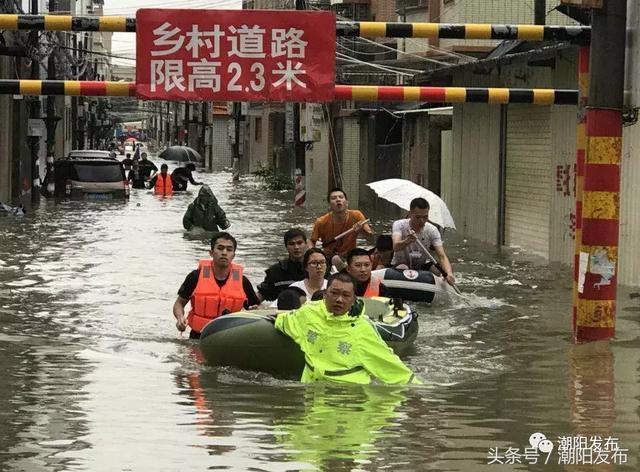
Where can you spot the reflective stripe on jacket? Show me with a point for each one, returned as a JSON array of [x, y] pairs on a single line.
[[209, 300], [373, 287], [342, 348], [163, 184]]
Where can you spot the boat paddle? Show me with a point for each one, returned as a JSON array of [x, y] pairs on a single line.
[[437, 265], [343, 234]]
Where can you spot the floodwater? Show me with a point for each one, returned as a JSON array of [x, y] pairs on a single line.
[[94, 376]]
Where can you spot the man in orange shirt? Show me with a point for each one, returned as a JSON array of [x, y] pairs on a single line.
[[337, 221]]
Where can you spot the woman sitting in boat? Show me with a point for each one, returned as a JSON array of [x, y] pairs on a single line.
[[314, 264]]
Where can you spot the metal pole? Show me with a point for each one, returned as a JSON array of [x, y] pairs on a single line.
[[601, 195]]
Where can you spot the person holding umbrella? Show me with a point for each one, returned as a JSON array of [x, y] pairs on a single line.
[[411, 238], [182, 176]]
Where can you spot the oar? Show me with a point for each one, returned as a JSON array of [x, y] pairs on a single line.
[[343, 234], [437, 265]]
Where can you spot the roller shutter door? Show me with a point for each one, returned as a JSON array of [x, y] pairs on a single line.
[[528, 178]]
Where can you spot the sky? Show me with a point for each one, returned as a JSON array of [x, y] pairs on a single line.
[[124, 44]]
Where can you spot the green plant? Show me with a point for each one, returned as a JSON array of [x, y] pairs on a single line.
[[273, 180]]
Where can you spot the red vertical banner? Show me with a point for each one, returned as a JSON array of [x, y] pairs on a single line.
[[235, 55]]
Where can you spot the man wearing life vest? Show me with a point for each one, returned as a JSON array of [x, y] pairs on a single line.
[[163, 185], [339, 342], [216, 287], [359, 267]]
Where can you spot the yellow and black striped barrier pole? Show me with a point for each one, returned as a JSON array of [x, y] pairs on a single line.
[[83, 88], [371, 29], [67, 23], [342, 92], [366, 29], [456, 95]]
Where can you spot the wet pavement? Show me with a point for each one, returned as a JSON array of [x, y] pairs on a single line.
[[94, 376]]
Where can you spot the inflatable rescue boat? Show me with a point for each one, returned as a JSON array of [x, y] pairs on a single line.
[[249, 341], [413, 285]]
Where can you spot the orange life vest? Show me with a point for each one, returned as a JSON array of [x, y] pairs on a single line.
[[209, 300], [163, 184], [373, 288]]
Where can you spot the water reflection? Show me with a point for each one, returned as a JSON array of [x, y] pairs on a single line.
[[293, 427]]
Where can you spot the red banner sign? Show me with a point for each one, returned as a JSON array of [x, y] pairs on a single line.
[[235, 55]]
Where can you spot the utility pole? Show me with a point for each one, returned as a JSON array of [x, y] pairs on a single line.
[[185, 124], [167, 130], [51, 120], [235, 173], [203, 132], [540, 12], [35, 109], [598, 259]]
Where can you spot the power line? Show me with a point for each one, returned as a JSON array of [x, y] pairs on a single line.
[[95, 53], [376, 66]]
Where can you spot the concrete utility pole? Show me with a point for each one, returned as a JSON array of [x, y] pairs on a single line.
[[596, 304], [51, 120], [35, 109], [237, 107], [540, 12]]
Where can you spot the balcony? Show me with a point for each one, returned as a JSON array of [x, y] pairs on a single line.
[[404, 6]]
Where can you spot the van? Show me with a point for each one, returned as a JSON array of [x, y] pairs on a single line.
[[90, 179]]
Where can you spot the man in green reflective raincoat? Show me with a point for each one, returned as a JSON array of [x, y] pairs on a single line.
[[339, 341], [205, 212]]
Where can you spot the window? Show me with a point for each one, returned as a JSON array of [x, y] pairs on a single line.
[[98, 172]]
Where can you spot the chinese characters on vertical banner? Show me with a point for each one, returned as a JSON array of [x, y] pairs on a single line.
[[235, 55]]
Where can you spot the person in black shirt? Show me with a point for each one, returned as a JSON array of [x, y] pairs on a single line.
[[286, 271], [359, 267], [223, 250], [136, 177], [181, 176], [147, 167], [127, 162]]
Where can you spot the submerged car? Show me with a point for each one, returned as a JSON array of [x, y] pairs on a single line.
[[91, 178], [91, 154]]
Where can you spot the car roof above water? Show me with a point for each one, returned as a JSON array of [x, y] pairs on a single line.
[[90, 154]]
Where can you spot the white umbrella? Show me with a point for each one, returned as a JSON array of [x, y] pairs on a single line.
[[401, 192]]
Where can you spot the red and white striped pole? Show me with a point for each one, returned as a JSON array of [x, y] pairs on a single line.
[[299, 192]]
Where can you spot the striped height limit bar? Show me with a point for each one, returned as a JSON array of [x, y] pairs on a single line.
[[67, 23], [455, 94], [342, 92], [373, 29], [367, 29], [68, 87]]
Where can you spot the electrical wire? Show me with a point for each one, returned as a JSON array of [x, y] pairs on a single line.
[[397, 70], [429, 47], [182, 4], [335, 148], [398, 51]]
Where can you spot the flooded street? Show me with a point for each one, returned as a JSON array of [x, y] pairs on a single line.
[[94, 376]]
